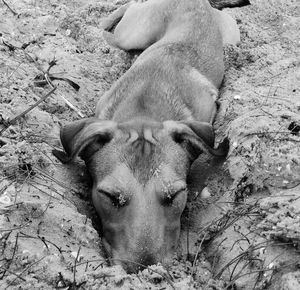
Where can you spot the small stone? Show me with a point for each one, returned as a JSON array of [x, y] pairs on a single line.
[[205, 193], [271, 265], [68, 32], [79, 258], [5, 199]]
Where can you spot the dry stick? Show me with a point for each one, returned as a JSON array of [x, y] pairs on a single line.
[[188, 235], [46, 74], [11, 272], [249, 250], [258, 279], [258, 271], [30, 183], [244, 236], [217, 250], [53, 189], [43, 212], [12, 257], [26, 269], [196, 256], [7, 82], [238, 242], [12, 11], [92, 261], [16, 228], [75, 264], [9, 123], [86, 267], [61, 184], [42, 239], [34, 184], [249, 261]]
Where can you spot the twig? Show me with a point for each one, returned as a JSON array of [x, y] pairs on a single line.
[[11, 272], [11, 10], [71, 106], [47, 76], [26, 269], [75, 264], [196, 256], [11, 122], [42, 239], [12, 257], [259, 271], [188, 234], [16, 228]]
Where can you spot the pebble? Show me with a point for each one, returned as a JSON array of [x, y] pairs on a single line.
[[79, 258], [205, 193], [5, 199]]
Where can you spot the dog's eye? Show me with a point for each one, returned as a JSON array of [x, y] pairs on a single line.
[[117, 199], [169, 197]]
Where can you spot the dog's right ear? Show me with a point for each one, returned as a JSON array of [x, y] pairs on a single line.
[[76, 136]]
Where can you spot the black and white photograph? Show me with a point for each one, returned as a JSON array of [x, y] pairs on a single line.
[[150, 144]]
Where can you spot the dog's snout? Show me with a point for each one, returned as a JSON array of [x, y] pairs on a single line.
[[142, 262], [148, 259]]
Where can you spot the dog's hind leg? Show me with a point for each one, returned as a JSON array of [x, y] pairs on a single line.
[[142, 24], [113, 19]]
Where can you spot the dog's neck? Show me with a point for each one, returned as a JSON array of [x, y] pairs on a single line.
[[145, 107], [160, 86]]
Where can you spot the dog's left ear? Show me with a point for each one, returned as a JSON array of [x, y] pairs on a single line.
[[196, 137], [76, 136]]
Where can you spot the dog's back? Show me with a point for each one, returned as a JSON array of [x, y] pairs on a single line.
[[176, 77], [150, 126], [192, 36]]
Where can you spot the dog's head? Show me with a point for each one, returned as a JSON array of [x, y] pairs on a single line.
[[139, 172]]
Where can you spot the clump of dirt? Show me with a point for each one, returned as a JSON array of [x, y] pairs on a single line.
[[244, 235]]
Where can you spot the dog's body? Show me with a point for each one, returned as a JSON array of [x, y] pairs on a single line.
[[152, 124], [177, 77]]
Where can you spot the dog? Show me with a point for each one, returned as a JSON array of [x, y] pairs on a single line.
[[152, 124]]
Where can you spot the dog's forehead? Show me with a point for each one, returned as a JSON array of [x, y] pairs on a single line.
[[142, 153], [146, 159], [142, 150], [140, 127]]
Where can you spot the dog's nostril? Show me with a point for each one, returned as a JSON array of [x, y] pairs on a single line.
[[148, 259], [139, 264]]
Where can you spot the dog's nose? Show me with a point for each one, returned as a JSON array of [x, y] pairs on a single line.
[[148, 259], [139, 264]]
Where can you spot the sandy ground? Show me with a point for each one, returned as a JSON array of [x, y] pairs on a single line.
[[246, 235]]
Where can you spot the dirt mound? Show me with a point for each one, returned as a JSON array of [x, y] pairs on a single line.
[[246, 234]]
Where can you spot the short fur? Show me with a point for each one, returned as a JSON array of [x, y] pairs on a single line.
[[153, 123]]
